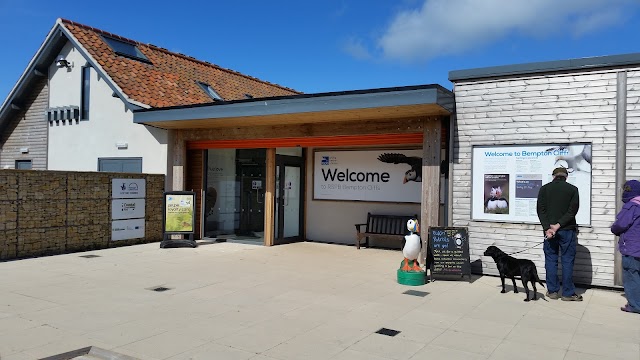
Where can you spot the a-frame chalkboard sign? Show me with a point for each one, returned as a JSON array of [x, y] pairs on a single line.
[[450, 249]]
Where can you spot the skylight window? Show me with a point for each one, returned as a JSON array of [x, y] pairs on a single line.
[[209, 90], [125, 49]]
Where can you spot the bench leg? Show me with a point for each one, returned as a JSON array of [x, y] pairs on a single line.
[[359, 239]]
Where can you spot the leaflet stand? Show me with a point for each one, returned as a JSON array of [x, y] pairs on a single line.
[[178, 219]]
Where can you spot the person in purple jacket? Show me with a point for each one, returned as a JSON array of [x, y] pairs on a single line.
[[627, 226]]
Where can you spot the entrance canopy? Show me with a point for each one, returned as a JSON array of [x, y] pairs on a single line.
[[412, 116], [372, 104]]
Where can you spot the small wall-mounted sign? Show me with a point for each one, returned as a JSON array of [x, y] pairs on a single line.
[[128, 188], [127, 229], [127, 209], [256, 184]]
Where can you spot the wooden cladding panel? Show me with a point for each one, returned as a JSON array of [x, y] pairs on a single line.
[[27, 129], [405, 131], [319, 141], [540, 109], [195, 166], [398, 126]]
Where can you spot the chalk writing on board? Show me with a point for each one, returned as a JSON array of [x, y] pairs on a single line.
[[450, 248]]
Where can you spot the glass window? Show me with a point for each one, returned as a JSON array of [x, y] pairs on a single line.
[[234, 194], [127, 165], [86, 90], [23, 164], [125, 49], [209, 90]]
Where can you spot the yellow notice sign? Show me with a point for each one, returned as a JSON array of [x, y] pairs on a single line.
[[179, 209]]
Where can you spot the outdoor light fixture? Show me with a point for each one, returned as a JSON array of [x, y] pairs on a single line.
[[122, 145], [63, 63]]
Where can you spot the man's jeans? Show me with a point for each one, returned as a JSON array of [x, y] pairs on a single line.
[[564, 241], [631, 280]]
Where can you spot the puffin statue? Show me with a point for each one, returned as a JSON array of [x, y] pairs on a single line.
[[412, 246]]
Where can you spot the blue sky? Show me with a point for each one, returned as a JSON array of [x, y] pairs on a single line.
[[336, 45]]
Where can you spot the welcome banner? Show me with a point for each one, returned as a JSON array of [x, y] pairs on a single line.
[[371, 175]]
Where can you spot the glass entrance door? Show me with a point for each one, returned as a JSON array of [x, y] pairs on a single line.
[[289, 190], [235, 194]]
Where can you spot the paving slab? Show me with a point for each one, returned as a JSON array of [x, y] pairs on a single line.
[[296, 301]]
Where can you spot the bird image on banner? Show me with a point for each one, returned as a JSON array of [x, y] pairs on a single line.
[[578, 158], [414, 173]]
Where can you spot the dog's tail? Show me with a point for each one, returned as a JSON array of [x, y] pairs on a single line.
[[537, 278]]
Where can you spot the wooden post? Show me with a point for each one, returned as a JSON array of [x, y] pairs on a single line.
[[179, 160], [430, 206], [269, 198]]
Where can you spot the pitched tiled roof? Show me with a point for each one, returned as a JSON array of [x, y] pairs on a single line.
[[171, 78]]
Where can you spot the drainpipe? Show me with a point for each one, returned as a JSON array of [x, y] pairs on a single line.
[[449, 202], [621, 163]]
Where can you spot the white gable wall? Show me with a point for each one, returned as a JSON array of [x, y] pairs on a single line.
[[559, 108], [77, 146]]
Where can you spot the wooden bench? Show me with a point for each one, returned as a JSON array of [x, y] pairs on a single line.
[[394, 226]]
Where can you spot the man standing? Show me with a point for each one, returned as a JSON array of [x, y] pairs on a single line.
[[558, 203]]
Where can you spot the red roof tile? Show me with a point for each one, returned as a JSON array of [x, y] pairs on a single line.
[[171, 78]]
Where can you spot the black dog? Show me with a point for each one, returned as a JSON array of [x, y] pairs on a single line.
[[510, 267]]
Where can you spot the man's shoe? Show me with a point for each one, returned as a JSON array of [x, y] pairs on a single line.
[[574, 297], [553, 295]]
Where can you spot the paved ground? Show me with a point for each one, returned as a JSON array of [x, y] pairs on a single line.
[[299, 301]]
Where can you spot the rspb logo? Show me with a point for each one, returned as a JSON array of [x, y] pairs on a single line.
[[329, 160]]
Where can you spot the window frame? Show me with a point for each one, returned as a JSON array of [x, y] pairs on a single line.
[[23, 161], [208, 89], [85, 93], [139, 55], [100, 159]]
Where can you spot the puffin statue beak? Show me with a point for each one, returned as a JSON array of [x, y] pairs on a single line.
[[404, 180]]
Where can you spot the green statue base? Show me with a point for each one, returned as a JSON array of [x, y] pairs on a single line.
[[410, 273]]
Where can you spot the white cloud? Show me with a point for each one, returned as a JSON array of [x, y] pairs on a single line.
[[356, 48], [442, 27], [593, 22]]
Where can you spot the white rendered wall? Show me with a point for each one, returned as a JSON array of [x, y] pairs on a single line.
[[77, 146], [333, 221]]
